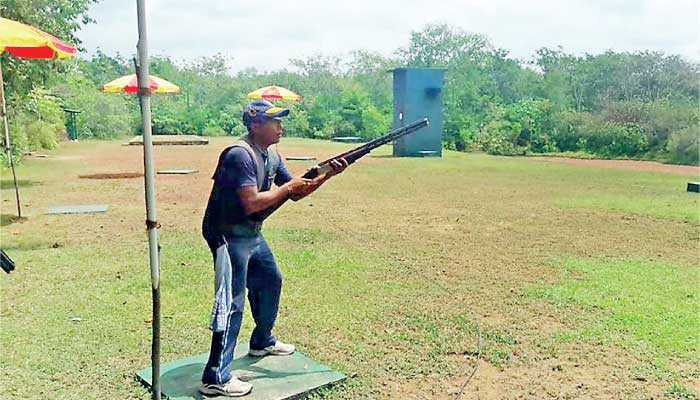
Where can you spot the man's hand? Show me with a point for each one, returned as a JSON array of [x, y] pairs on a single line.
[[254, 201], [338, 167], [313, 184], [298, 186]]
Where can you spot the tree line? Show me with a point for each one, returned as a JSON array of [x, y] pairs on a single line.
[[641, 105]]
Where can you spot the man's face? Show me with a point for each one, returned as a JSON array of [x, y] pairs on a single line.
[[269, 132]]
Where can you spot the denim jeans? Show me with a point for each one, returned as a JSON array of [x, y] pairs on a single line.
[[254, 267]]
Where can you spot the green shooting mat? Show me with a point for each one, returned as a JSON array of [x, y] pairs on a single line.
[[273, 377]]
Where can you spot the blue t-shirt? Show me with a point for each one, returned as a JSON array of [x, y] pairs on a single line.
[[236, 169]]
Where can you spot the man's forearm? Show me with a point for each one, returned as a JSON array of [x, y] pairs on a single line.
[[312, 188], [264, 200]]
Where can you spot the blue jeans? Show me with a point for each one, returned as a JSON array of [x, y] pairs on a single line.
[[254, 267]]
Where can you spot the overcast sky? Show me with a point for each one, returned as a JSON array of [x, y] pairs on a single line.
[[265, 35]]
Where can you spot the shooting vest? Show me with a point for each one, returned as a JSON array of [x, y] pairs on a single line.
[[266, 164], [215, 224]]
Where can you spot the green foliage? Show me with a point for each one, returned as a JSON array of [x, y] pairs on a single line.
[[213, 130], [518, 128], [44, 107], [611, 139], [40, 135], [37, 124], [102, 115], [297, 124], [635, 105], [684, 146]]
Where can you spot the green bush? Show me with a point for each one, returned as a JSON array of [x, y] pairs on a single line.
[[565, 130], [230, 119], [612, 139], [581, 131], [213, 130], [103, 115], [461, 140], [18, 131], [657, 118], [518, 128], [36, 124], [18, 138], [321, 134], [297, 123], [501, 146], [684, 146], [499, 137], [41, 135], [459, 131], [374, 122]]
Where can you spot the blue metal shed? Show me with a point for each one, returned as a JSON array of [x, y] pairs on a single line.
[[418, 94]]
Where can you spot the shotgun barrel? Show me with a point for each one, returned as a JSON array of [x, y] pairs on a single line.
[[358, 152]]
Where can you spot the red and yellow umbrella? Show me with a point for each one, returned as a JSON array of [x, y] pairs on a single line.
[[274, 93], [26, 41], [129, 84]]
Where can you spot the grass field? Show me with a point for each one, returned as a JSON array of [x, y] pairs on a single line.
[[559, 281]]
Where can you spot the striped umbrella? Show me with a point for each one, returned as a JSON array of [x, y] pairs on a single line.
[[25, 41], [274, 93], [129, 84]]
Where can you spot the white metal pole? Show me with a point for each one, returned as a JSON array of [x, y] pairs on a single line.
[[151, 219], [8, 148]]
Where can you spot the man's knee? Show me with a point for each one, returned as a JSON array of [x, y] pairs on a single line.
[[275, 280], [238, 303]]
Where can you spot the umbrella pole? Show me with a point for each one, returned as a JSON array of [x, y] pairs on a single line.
[[7, 141], [151, 221]]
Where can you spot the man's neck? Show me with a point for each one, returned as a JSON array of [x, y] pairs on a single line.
[[261, 146]]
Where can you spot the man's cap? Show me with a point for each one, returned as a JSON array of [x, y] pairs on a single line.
[[262, 111]]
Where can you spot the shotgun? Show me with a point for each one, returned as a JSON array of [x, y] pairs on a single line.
[[351, 156], [358, 152]]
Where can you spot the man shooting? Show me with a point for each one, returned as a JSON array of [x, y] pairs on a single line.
[[241, 197]]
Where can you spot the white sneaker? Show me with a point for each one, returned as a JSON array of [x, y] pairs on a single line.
[[233, 388], [278, 349]]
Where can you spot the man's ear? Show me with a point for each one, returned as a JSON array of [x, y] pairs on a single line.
[[254, 126]]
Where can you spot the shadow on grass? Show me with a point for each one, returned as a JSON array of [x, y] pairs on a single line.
[[9, 183], [7, 219]]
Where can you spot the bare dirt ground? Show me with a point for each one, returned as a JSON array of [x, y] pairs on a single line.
[[458, 239], [632, 165]]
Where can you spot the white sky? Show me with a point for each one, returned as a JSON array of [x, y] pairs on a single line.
[[266, 34]]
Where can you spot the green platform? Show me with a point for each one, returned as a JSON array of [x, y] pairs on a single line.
[[272, 377]]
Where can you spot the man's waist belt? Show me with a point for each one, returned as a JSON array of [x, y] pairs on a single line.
[[247, 229]]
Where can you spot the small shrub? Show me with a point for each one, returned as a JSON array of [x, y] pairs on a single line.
[[684, 146], [41, 135], [213, 130], [612, 139]]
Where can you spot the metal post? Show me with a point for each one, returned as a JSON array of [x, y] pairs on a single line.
[[8, 148], [151, 219]]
